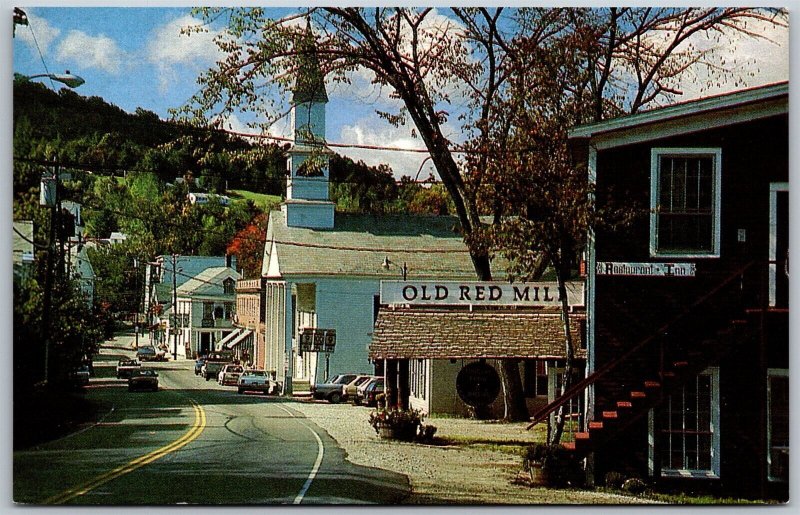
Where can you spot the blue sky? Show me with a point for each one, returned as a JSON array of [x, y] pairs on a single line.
[[135, 57]]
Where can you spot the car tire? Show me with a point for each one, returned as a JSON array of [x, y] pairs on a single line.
[[241, 390], [334, 398]]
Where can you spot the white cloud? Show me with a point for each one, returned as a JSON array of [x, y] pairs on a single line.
[[752, 61], [38, 30], [375, 132], [169, 47], [100, 51]]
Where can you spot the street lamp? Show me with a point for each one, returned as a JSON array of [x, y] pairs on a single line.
[[73, 81]]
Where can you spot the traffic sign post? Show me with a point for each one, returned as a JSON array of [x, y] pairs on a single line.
[[313, 339]]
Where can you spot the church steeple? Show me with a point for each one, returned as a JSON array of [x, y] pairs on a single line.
[[307, 203], [310, 82]]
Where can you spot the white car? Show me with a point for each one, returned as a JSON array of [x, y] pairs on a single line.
[[229, 375], [257, 381]]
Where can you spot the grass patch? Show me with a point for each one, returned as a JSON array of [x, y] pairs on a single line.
[[261, 200], [684, 498]]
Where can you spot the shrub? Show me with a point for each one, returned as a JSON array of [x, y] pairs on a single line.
[[426, 432], [634, 485], [615, 479]]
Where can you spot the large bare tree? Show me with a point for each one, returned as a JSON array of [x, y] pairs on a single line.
[[459, 63]]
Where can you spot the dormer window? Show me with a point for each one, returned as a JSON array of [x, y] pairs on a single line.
[[228, 286]]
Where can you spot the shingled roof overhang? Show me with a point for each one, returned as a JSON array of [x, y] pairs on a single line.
[[687, 117], [454, 334]]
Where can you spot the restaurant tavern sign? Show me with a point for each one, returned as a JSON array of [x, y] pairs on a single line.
[[451, 293], [646, 269]]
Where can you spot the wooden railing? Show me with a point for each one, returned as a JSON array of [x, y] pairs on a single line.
[[580, 387]]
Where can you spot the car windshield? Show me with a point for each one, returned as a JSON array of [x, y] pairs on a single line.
[[375, 385], [147, 372], [256, 373]]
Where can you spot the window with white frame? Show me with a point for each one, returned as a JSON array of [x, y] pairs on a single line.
[[418, 371], [685, 202], [688, 428], [778, 424]]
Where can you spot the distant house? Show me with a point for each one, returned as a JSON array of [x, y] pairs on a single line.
[[159, 287], [688, 309], [205, 198], [23, 250], [82, 268], [117, 237], [74, 209], [204, 311], [249, 320]]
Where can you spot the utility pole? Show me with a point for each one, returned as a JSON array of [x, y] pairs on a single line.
[[48, 272], [136, 293], [174, 307]]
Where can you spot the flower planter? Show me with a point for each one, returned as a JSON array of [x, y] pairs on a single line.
[[388, 432], [539, 475]]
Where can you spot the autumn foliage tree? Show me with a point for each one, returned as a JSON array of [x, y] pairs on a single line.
[[248, 246]]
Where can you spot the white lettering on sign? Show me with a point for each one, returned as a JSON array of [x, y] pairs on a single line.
[[646, 269], [448, 293]]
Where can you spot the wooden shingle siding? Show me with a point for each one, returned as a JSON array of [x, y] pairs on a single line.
[[451, 334]]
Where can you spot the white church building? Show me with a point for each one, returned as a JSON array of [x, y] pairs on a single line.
[[323, 271]]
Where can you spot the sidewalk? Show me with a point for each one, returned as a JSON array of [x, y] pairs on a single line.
[[482, 470]]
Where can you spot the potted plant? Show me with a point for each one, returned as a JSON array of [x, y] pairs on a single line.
[[551, 465], [396, 424]]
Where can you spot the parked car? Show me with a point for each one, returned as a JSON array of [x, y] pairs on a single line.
[[125, 367], [211, 369], [332, 390], [80, 376], [149, 353], [198, 365], [257, 381], [349, 389], [229, 375], [144, 379], [368, 395]]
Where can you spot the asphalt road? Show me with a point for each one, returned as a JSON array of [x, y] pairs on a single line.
[[194, 442]]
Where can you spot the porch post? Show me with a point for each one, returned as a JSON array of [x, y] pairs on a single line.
[[402, 384], [390, 383]]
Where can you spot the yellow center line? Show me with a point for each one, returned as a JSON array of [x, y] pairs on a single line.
[[191, 435]]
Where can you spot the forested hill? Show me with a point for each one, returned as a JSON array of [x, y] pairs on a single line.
[[91, 134], [69, 115]]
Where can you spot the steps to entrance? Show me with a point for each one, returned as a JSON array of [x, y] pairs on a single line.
[[640, 399]]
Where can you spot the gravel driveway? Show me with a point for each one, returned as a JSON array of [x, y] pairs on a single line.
[[478, 473]]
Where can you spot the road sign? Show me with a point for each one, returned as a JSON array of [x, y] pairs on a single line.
[[317, 340]]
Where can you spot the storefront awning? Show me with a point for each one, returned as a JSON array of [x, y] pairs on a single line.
[[455, 334], [236, 341], [229, 337]]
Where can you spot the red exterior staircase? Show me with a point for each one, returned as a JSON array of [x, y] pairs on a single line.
[[677, 366]]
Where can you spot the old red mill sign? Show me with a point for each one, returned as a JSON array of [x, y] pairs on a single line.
[[449, 293]]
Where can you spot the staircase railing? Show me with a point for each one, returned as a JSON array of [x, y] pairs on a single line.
[[580, 387]]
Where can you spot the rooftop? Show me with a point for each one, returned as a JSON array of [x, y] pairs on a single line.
[[451, 334], [359, 244]]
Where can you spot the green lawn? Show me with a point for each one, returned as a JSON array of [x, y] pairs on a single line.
[[262, 200]]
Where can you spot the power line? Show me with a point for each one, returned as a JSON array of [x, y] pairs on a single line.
[[91, 168]]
